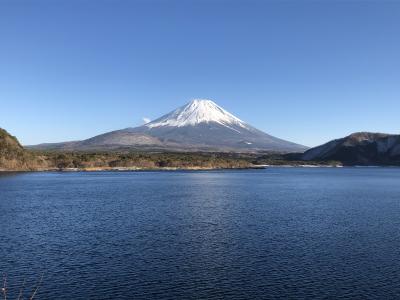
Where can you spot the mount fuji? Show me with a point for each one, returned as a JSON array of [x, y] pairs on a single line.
[[200, 125]]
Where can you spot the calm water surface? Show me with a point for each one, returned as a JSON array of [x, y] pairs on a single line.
[[282, 233]]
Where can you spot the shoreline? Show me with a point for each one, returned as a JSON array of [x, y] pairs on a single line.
[[138, 169], [132, 169]]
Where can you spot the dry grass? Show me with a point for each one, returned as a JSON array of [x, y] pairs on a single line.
[[4, 289]]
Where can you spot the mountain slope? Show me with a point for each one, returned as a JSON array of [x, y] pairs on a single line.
[[362, 148], [200, 125], [203, 124], [14, 157], [9, 145]]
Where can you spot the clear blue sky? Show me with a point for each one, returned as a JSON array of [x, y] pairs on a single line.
[[306, 71]]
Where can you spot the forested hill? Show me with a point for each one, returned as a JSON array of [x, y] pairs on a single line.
[[12, 154], [360, 148]]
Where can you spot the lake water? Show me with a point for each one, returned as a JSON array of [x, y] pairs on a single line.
[[280, 233]]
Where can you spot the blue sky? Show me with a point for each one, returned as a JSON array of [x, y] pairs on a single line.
[[306, 71]]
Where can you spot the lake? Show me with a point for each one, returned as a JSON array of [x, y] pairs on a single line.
[[279, 233]]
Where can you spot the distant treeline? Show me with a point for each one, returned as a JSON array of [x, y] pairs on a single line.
[[83, 160], [14, 157]]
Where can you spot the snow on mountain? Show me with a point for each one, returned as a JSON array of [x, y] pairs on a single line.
[[198, 111], [200, 125]]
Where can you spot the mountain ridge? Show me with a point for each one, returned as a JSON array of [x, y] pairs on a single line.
[[200, 125], [360, 148]]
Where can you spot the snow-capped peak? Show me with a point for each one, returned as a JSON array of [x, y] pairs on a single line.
[[195, 112]]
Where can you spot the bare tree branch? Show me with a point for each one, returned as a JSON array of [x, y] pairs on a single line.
[[21, 290], [4, 288], [37, 287]]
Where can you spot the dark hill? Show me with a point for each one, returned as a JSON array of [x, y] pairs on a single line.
[[362, 148]]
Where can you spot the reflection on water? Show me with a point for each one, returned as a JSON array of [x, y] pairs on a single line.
[[10, 174]]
